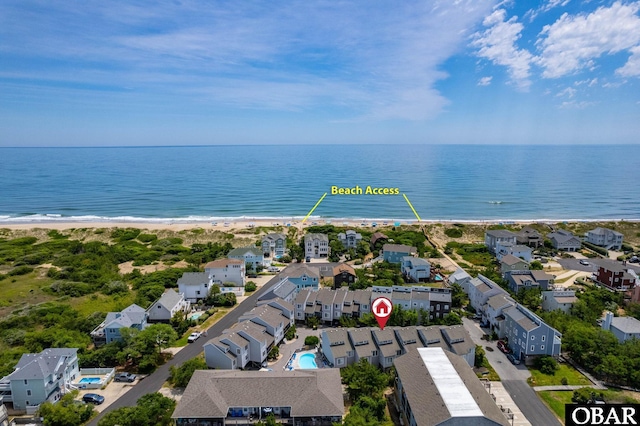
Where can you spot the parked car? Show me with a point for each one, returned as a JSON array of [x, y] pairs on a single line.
[[124, 377], [503, 346], [273, 269], [93, 398], [194, 336], [513, 359], [308, 259], [584, 262]]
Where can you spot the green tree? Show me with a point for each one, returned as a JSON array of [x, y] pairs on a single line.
[[547, 365], [480, 357], [311, 340], [536, 265], [152, 409], [291, 333], [273, 353], [250, 286], [67, 412], [180, 376], [364, 379]]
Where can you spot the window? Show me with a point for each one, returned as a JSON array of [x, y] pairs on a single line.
[[28, 392], [533, 337], [159, 307], [197, 292], [532, 348], [543, 338], [26, 382], [542, 347], [374, 353]]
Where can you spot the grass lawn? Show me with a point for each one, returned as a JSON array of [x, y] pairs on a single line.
[[556, 401], [98, 302], [573, 377], [208, 323], [20, 291]]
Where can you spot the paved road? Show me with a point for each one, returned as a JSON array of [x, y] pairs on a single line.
[[531, 406], [514, 380], [154, 381]]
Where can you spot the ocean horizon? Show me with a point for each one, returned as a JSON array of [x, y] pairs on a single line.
[[461, 183]]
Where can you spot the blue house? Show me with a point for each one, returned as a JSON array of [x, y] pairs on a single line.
[[40, 378], [528, 335], [393, 253], [109, 330], [252, 256], [303, 276]]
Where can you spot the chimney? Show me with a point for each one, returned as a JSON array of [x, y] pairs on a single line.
[[608, 316]]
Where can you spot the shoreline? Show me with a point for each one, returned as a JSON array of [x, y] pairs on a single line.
[[249, 222]]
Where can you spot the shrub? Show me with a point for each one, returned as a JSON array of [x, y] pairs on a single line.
[[453, 232], [311, 340], [595, 248], [547, 365], [147, 238], [20, 270], [125, 234], [250, 286]]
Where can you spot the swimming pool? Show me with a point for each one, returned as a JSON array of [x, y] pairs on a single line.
[[90, 380], [307, 361], [196, 315]]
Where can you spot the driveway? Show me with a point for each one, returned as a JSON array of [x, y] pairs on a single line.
[[514, 380]]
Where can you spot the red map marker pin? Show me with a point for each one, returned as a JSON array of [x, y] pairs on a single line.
[[381, 308]]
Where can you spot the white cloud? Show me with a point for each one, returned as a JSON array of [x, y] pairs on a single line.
[[576, 105], [568, 92], [550, 4], [498, 44], [632, 67], [381, 61], [572, 43], [590, 82], [485, 81]]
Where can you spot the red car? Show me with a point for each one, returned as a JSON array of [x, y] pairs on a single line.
[[503, 347]]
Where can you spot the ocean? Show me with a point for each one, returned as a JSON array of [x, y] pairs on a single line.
[[211, 183]]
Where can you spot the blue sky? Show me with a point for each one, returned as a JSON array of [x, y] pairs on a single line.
[[252, 72]]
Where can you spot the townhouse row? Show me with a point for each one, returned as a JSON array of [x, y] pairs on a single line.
[[342, 347], [330, 305], [248, 342], [527, 335]]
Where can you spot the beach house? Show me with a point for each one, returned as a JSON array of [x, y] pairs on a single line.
[[517, 250], [564, 240], [350, 239], [415, 269], [558, 299], [604, 237], [529, 237], [302, 276], [498, 236], [108, 331], [274, 245], [343, 275], [615, 276], [316, 246], [528, 279], [510, 263], [252, 257], [194, 286], [169, 304], [624, 328], [41, 377], [226, 271], [393, 253]]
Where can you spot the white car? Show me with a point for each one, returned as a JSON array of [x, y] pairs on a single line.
[[584, 262], [194, 336]]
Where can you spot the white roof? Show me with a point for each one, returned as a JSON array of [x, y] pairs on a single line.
[[452, 389]]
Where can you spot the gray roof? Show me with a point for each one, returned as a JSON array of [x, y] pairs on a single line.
[[525, 322], [458, 339], [627, 325], [338, 341], [296, 270], [562, 237], [362, 341], [541, 275], [242, 251], [510, 260], [131, 315], [169, 299], [39, 366], [269, 314], [501, 233], [309, 393], [399, 248], [498, 301], [193, 278], [274, 237], [321, 237], [415, 261], [386, 341], [435, 398], [281, 290], [604, 231]]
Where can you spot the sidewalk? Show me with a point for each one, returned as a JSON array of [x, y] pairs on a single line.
[[504, 401]]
